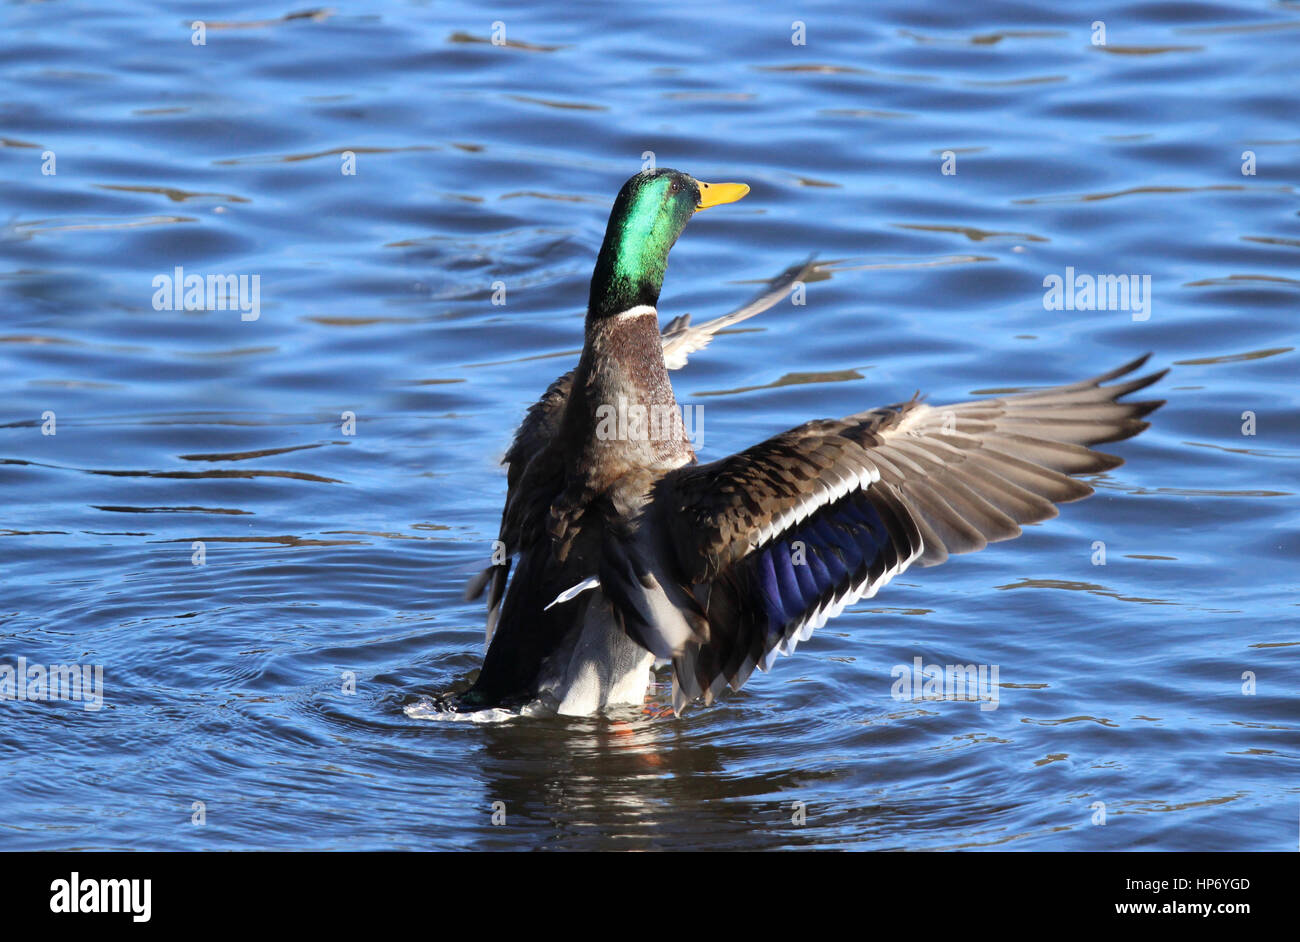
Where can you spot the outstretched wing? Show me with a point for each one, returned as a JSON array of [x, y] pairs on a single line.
[[542, 421], [680, 339], [774, 540]]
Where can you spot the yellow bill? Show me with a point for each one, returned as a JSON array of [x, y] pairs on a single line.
[[715, 194]]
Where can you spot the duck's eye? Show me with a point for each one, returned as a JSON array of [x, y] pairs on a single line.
[[674, 187]]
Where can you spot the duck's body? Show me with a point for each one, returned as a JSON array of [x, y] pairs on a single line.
[[575, 491], [628, 551]]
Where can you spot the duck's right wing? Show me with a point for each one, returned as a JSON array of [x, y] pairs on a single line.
[[758, 549]]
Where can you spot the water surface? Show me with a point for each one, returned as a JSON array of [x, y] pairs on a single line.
[[482, 167]]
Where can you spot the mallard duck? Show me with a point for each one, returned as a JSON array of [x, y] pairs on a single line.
[[627, 551]]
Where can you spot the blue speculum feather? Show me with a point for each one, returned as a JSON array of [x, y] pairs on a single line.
[[820, 573], [808, 587], [767, 585], [832, 541], [787, 582], [838, 542]]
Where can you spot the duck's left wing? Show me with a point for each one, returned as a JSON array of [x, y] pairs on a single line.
[[539, 427], [771, 542], [680, 339]]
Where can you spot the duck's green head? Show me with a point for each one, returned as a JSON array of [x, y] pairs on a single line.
[[650, 213]]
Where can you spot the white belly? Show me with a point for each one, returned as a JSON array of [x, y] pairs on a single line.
[[600, 667]]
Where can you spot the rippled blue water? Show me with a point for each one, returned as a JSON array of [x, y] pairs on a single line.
[[476, 163]]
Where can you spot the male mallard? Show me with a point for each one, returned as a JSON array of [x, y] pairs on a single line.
[[629, 551]]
